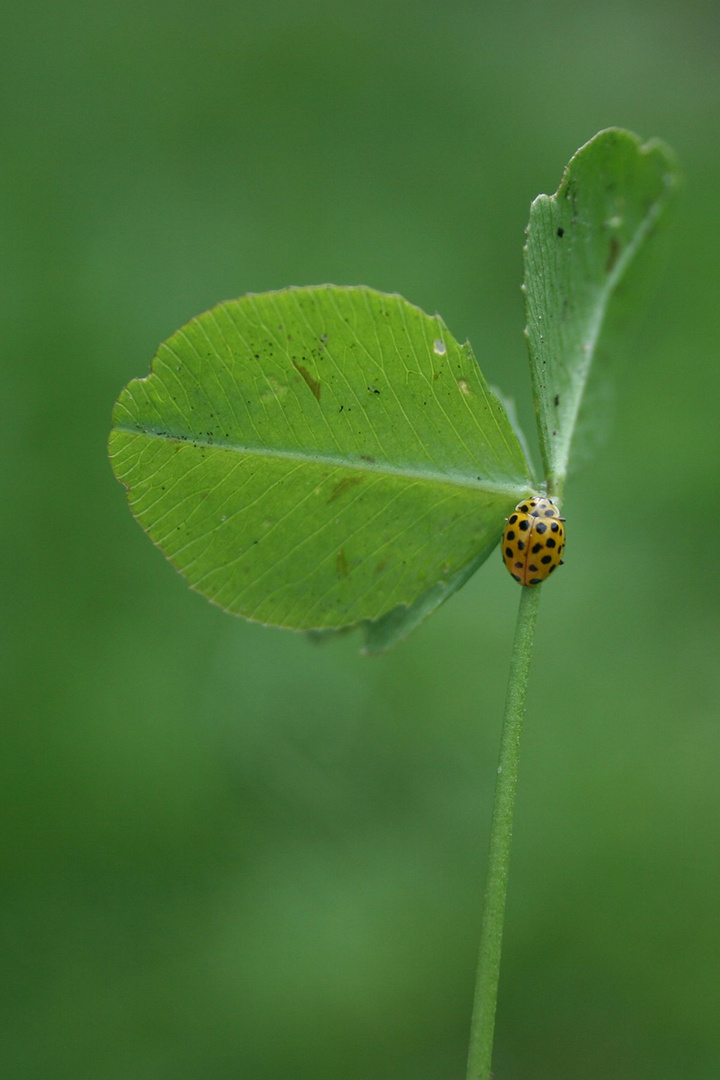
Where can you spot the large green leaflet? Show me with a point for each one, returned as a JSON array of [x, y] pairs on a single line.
[[321, 457], [580, 243]]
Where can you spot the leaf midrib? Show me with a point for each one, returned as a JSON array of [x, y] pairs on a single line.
[[385, 468]]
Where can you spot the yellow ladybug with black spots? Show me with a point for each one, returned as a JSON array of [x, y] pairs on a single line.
[[533, 541]]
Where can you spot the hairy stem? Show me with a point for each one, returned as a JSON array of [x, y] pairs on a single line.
[[488, 972]]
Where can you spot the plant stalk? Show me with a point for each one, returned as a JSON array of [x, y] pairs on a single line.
[[488, 972]]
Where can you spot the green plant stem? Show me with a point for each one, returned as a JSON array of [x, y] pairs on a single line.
[[488, 972]]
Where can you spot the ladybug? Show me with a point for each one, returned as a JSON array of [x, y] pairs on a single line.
[[533, 541]]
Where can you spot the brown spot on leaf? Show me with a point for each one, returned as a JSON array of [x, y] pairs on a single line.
[[613, 254], [312, 383], [341, 564], [343, 486]]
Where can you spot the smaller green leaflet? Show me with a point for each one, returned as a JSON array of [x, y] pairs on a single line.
[[580, 242], [319, 457]]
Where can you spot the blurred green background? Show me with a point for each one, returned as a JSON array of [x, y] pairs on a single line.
[[227, 853]]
